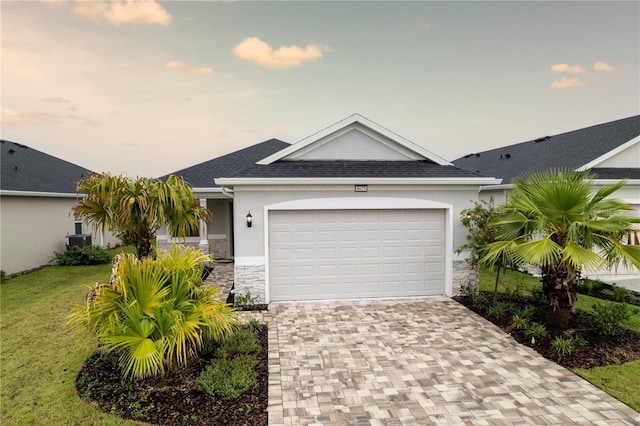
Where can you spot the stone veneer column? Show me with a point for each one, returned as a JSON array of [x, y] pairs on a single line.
[[464, 274], [250, 278]]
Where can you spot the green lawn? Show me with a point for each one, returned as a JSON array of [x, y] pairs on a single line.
[[40, 358], [621, 381]]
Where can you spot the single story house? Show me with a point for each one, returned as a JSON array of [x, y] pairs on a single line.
[[610, 151], [353, 211], [37, 192]]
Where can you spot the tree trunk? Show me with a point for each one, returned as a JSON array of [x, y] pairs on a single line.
[[559, 286], [495, 289], [143, 246]]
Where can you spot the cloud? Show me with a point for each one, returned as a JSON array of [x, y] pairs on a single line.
[[176, 65], [399, 107], [566, 68], [567, 83], [604, 67], [55, 99], [10, 116], [252, 49], [200, 70], [123, 12]]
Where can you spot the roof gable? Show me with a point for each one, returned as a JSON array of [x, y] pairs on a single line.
[[576, 150], [355, 138], [29, 170]]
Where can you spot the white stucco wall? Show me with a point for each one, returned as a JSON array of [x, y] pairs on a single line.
[[630, 157], [355, 143], [33, 228], [249, 242]]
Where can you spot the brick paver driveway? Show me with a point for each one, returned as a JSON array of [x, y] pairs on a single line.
[[417, 362]]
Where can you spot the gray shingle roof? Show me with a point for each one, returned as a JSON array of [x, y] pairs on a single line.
[[612, 173], [202, 175], [27, 169], [564, 151], [355, 169]]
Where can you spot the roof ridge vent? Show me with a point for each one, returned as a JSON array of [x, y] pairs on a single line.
[[542, 139]]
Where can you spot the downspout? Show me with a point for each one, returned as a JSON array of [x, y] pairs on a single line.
[[227, 192]]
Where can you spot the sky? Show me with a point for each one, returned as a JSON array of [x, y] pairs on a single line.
[[149, 88]]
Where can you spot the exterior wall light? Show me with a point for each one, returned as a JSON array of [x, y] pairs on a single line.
[[249, 220]]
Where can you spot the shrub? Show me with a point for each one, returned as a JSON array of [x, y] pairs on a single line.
[[565, 345], [228, 378], [620, 294], [608, 317], [155, 312], [520, 322], [480, 301], [3, 275], [253, 325], [85, 256], [539, 296], [499, 310], [535, 330], [246, 299], [242, 342]]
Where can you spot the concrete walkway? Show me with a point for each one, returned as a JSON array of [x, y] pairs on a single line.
[[415, 362]]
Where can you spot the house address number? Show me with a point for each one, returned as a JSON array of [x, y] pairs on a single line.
[[362, 188]]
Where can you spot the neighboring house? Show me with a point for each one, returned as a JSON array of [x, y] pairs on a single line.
[[353, 211], [37, 192], [611, 151]]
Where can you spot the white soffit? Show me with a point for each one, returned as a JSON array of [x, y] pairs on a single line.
[[364, 125]]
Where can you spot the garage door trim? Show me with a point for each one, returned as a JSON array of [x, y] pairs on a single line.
[[368, 203]]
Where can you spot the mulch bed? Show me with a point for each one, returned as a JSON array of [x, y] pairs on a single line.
[[598, 351], [172, 399]]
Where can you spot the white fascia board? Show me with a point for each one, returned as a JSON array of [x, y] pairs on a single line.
[[355, 118], [213, 192], [498, 186], [358, 181], [614, 181], [41, 194], [602, 158]]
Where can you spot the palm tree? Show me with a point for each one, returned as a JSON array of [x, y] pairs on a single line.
[[553, 220], [139, 207], [155, 313]]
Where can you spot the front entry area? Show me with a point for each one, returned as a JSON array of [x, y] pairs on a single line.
[[356, 254]]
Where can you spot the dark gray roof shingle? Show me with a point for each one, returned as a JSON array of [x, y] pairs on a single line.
[[27, 169], [564, 151], [612, 173], [353, 169], [202, 175]]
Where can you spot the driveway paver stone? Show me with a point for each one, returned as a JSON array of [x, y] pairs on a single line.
[[416, 362]]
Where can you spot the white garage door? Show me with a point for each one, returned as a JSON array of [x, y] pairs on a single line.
[[353, 254]]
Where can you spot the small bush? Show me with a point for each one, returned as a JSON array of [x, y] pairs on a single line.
[[535, 330], [565, 345], [539, 296], [520, 322], [253, 325], [480, 301], [82, 256], [499, 310], [620, 294], [471, 291], [609, 317], [228, 378], [242, 342], [246, 299]]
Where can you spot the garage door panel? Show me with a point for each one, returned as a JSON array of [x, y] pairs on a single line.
[[350, 254]]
